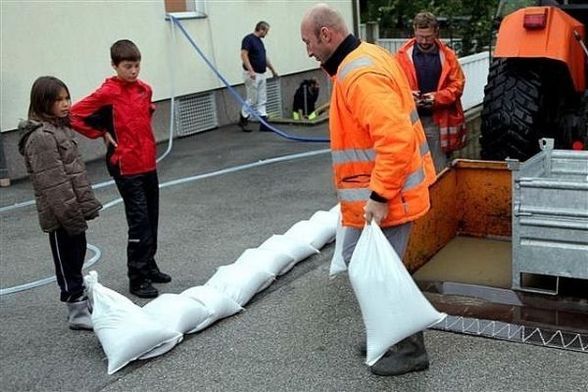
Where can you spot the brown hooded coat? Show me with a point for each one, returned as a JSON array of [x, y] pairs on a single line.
[[63, 193]]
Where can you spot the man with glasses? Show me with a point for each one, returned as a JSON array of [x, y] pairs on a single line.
[[437, 81]]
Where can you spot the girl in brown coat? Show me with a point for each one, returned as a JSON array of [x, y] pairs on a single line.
[[63, 194]]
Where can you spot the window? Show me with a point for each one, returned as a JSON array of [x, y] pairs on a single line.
[[186, 8]]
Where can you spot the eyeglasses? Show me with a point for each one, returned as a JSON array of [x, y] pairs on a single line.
[[425, 38]]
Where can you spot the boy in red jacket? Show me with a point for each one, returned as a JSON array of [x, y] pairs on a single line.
[[120, 111]]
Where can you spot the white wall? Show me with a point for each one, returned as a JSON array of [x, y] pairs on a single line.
[[71, 41]]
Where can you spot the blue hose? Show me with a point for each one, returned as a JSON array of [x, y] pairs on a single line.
[[236, 95]]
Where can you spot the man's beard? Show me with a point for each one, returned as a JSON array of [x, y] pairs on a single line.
[[426, 47]]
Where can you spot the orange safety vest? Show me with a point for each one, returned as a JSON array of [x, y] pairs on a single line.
[[377, 140], [447, 111]]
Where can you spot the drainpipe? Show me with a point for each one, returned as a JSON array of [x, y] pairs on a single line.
[[4, 179], [356, 21]]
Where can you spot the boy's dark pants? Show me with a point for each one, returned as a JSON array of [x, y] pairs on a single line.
[[68, 253], [140, 194]]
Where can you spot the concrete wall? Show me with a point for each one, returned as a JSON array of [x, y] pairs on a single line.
[[227, 113], [71, 40]]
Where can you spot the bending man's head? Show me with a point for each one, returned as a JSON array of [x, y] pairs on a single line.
[[426, 30], [322, 30], [261, 29]]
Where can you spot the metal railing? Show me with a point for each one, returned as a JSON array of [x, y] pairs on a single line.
[[475, 67]]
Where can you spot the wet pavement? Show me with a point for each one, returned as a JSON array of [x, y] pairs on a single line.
[[300, 334]]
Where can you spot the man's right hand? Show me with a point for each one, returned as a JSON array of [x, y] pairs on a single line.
[[251, 75]]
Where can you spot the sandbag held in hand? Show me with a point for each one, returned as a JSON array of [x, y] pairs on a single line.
[[392, 306]]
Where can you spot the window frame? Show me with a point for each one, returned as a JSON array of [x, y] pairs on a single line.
[[198, 11]]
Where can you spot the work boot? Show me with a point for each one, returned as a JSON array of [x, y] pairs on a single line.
[[262, 126], [159, 277], [409, 355], [243, 122], [143, 289], [79, 314], [362, 349]]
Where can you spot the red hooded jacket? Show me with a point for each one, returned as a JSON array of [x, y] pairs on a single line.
[[124, 110], [447, 110]]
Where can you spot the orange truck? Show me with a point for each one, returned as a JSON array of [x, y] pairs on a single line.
[[537, 80]]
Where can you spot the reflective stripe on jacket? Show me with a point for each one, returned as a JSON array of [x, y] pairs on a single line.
[[377, 141], [447, 110]]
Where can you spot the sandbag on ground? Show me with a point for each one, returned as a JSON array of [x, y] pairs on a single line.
[[218, 304], [240, 282], [124, 330], [329, 219], [337, 261], [313, 233], [294, 248], [269, 260], [177, 312]]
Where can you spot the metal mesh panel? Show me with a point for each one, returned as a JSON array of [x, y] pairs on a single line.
[[514, 332], [274, 98], [195, 113]]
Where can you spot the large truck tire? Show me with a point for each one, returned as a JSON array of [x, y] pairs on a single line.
[[511, 116]]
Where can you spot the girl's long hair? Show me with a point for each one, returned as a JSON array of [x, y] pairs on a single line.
[[44, 93]]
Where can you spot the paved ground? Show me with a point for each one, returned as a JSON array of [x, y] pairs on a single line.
[[298, 335]]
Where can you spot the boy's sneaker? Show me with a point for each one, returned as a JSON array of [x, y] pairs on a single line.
[[243, 122], [159, 277], [143, 289]]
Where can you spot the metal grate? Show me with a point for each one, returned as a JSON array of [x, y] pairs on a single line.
[[274, 98], [515, 333], [195, 113]]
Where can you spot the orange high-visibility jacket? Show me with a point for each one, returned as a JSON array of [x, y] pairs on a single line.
[[447, 111], [377, 140]]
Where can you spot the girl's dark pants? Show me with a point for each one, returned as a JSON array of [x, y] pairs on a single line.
[[69, 252]]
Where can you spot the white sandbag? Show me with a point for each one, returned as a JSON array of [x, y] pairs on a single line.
[[337, 261], [314, 234], [297, 249], [392, 306], [218, 304], [329, 219], [268, 260], [336, 209], [240, 282], [125, 331], [177, 312]]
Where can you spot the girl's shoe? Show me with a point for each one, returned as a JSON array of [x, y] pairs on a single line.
[[79, 315]]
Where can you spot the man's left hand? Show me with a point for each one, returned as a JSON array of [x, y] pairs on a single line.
[[375, 210], [429, 97]]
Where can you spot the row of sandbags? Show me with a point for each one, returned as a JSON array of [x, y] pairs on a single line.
[[128, 332]]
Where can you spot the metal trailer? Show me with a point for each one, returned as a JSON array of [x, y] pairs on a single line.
[[545, 233], [549, 219], [540, 205]]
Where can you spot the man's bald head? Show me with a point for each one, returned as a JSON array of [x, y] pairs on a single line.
[[322, 30], [323, 15]]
